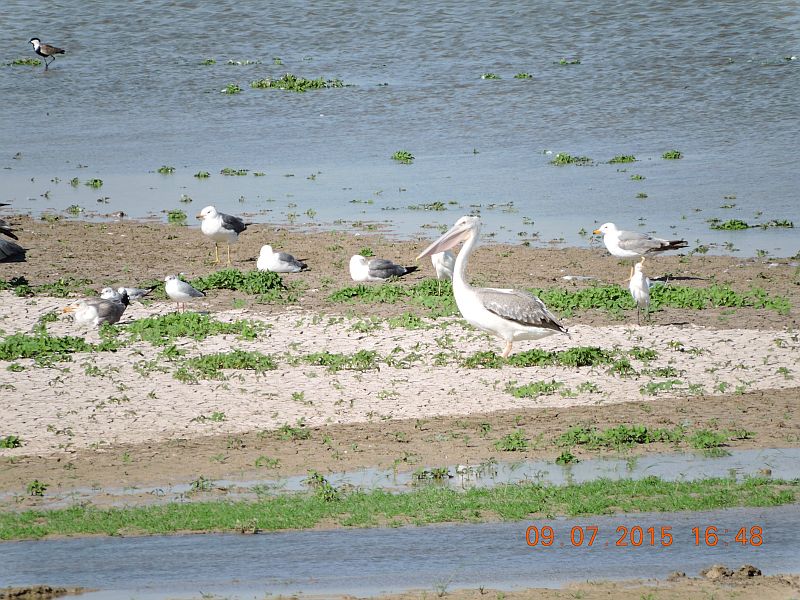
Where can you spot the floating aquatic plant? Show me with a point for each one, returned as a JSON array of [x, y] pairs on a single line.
[[562, 158], [296, 84], [490, 76], [523, 76], [202, 174], [623, 158], [672, 155], [24, 62], [403, 156], [95, 183], [209, 61], [231, 88], [569, 61], [229, 171], [165, 170], [176, 217]]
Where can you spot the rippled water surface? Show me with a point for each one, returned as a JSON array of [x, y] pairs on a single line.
[[714, 81]]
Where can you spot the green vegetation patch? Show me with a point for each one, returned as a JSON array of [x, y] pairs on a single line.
[[210, 366], [42, 346], [738, 224], [10, 441], [623, 158], [423, 505], [431, 294], [24, 62], [562, 158], [403, 156], [579, 356], [294, 83], [630, 435], [176, 217], [267, 284], [162, 330], [363, 360], [62, 288], [672, 155]]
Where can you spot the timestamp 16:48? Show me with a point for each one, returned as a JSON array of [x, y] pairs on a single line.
[[587, 535]]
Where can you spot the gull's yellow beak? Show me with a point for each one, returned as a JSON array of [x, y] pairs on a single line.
[[199, 216], [597, 232], [68, 309]]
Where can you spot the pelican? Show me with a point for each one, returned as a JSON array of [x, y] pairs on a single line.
[[375, 269], [511, 315], [180, 291], [278, 262], [220, 228], [639, 286], [632, 244], [96, 311]]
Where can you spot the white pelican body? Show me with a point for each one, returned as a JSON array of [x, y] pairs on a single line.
[[375, 269], [180, 291], [443, 264], [220, 228], [639, 286], [632, 244], [278, 262], [509, 314]]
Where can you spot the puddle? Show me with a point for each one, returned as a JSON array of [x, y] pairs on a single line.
[[371, 561]]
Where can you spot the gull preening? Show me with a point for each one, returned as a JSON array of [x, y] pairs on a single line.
[[45, 50], [632, 244], [109, 293], [509, 314], [375, 269], [639, 286], [180, 291], [220, 228], [443, 264], [278, 262], [96, 311]]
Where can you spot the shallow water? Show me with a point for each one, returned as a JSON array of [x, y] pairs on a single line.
[[369, 561], [131, 95]]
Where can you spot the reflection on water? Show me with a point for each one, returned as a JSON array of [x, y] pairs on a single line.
[[714, 81]]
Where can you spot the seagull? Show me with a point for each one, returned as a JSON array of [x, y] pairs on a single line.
[[375, 269], [136, 293], [640, 290], [278, 262], [9, 250], [631, 244], [220, 228], [109, 293], [511, 315], [45, 50], [180, 291], [96, 311], [443, 263]]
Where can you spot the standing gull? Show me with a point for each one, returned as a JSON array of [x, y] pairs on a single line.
[[9, 250], [443, 264], [45, 50], [220, 228], [180, 291], [375, 269], [96, 311], [511, 315], [278, 262], [631, 244], [639, 286]]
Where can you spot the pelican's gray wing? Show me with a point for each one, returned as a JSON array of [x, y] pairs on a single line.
[[108, 311], [520, 307], [642, 243], [232, 223], [383, 268], [11, 251], [291, 260]]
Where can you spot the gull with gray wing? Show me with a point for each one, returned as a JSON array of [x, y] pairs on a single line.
[[96, 311], [220, 228], [632, 244], [278, 262], [180, 291], [375, 269]]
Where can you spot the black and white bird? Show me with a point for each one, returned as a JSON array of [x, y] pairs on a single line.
[[278, 262], [9, 251], [220, 228], [632, 244], [180, 291], [133, 293], [45, 51], [96, 311], [375, 269], [509, 314]]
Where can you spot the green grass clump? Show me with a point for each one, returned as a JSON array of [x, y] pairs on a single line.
[[421, 506], [730, 224], [61, 288], [210, 366], [202, 174], [534, 389], [562, 158], [579, 356], [523, 76], [10, 441], [164, 329], [436, 296], [176, 217], [165, 170], [24, 62], [490, 76], [42, 346], [615, 437], [233, 172], [363, 360], [672, 155], [433, 206], [267, 284], [569, 61], [623, 158], [94, 183], [403, 156], [513, 442], [231, 88], [294, 83]]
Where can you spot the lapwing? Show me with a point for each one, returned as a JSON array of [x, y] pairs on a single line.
[[45, 51]]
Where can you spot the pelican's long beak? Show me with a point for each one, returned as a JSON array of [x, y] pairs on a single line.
[[597, 232], [457, 234]]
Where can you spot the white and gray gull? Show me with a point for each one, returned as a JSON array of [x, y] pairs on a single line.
[[639, 286], [133, 293], [220, 228], [375, 269], [96, 311], [278, 262], [180, 291], [443, 264], [632, 244], [9, 250], [509, 314]]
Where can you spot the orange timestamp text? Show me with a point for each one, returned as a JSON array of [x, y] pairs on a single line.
[[637, 536]]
